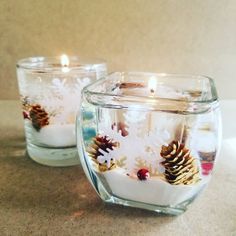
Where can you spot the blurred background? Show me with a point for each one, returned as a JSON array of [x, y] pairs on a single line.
[[174, 36]]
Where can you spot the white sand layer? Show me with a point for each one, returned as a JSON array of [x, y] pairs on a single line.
[[53, 135], [153, 191]]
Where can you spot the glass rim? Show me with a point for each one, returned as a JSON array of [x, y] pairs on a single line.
[[53, 63], [88, 90]]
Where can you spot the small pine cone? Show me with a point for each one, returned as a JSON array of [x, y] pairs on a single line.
[[99, 151], [39, 117], [101, 143], [180, 167]]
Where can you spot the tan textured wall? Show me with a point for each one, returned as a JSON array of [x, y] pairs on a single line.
[[182, 36]]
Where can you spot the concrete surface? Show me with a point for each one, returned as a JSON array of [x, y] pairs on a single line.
[[40, 200]]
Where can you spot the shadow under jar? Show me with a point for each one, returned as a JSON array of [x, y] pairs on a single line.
[[156, 138], [50, 91]]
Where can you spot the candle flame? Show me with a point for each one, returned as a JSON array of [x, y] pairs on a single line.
[[65, 63], [152, 84], [64, 60]]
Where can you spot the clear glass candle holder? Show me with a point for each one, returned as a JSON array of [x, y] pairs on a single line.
[[156, 138], [50, 91]]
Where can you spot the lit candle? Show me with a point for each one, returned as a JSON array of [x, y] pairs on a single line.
[[50, 91], [65, 63], [152, 85], [58, 134], [136, 153]]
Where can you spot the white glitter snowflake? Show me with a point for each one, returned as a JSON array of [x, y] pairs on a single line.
[[138, 144]]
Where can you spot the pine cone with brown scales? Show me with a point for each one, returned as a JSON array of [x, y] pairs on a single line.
[[102, 143], [180, 167], [38, 116]]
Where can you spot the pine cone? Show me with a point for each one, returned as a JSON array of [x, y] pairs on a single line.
[[98, 150], [39, 117], [180, 167]]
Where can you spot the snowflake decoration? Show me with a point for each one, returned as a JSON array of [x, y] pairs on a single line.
[[138, 146], [59, 96]]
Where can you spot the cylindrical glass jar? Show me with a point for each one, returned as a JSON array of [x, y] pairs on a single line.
[[156, 138], [50, 91]]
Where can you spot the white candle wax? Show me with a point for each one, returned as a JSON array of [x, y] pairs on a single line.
[[54, 135], [154, 191]]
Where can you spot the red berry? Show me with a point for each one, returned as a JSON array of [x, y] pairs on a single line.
[[143, 174], [25, 115], [206, 168]]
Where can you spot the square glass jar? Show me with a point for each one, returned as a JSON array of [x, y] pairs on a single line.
[[156, 138]]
